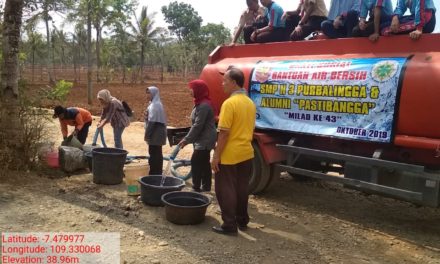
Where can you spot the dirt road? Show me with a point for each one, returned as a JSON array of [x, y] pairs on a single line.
[[294, 222]]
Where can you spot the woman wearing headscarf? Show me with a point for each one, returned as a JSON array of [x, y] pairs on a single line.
[[113, 112], [202, 135], [155, 130]]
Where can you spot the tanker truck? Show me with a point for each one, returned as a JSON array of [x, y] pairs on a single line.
[[366, 115]]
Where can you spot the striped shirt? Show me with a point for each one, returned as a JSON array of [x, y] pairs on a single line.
[[115, 114]]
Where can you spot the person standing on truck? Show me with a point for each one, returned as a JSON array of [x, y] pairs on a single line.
[[155, 130], [202, 134], [380, 12], [248, 21], [78, 117], [306, 19], [113, 112], [274, 31], [232, 159], [421, 20], [343, 16]]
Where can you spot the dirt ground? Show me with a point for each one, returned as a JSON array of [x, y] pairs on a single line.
[[293, 222]]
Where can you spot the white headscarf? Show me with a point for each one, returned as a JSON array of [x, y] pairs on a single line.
[[105, 95], [156, 113]]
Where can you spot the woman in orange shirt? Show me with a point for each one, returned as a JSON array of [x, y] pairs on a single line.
[[80, 118]]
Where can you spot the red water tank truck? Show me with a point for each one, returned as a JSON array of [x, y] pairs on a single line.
[[370, 111]]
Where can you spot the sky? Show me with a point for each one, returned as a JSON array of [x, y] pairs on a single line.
[[227, 11]]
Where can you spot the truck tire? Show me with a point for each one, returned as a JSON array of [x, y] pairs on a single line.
[[261, 172]]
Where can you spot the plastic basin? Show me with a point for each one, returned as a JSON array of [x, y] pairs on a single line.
[[151, 191], [185, 208]]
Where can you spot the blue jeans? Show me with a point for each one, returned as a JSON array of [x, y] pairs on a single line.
[[117, 135]]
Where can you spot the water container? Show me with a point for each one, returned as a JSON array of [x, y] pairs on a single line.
[[52, 159], [108, 165], [185, 208], [152, 190], [133, 172]]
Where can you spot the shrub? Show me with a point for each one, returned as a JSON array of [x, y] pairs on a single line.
[[59, 92]]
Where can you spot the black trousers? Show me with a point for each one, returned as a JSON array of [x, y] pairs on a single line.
[[357, 32], [231, 189], [201, 170], [156, 159], [83, 133], [313, 24], [247, 32], [276, 35]]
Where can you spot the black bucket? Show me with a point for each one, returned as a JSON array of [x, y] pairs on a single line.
[[108, 165], [89, 159], [151, 191], [185, 208]]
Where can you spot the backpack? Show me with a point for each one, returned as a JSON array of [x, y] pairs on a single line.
[[127, 109]]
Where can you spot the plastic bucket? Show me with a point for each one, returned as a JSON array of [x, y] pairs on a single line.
[[89, 159], [52, 159], [108, 165], [185, 208], [133, 172], [151, 191]]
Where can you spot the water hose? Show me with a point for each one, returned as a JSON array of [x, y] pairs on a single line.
[[176, 163], [95, 137]]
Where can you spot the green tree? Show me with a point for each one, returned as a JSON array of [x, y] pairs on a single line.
[[79, 47], [160, 47], [185, 23], [214, 35], [122, 40], [34, 45], [104, 13], [211, 36], [42, 10], [183, 19], [144, 33]]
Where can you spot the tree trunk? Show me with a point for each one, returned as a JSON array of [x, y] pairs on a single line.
[[142, 62], [123, 74], [89, 54], [10, 128], [74, 56], [162, 65], [33, 63], [49, 59], [98, 51]]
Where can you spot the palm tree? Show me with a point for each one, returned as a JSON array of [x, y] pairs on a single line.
[[34, 44], [144, 32], [160, 43], [121, 39], [79, 45], [45, 8]]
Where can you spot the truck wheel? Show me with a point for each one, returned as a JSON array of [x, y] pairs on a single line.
[[261, 172]]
